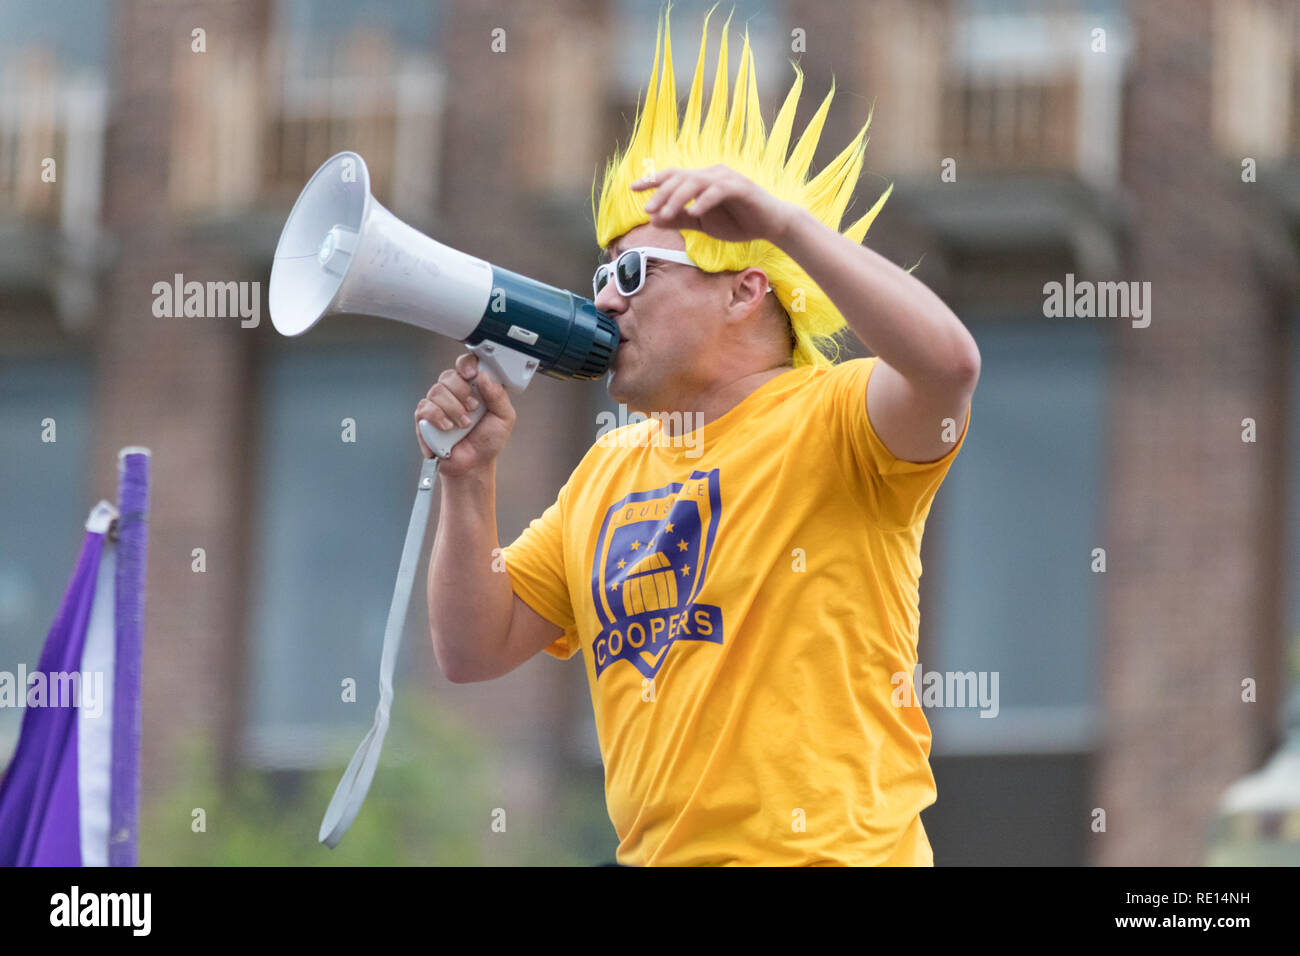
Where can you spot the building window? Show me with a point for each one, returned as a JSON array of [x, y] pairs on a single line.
[[1016, 524], [331, 522]]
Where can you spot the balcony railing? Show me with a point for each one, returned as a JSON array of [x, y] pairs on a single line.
[[1036, 90], [48, 116], [1011, 122], [52, 179], [997, 89], [251, 128]]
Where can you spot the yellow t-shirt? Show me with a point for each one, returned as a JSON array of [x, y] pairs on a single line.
[[744, 597]]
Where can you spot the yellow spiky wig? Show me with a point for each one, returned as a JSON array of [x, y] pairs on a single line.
[[736, 139]]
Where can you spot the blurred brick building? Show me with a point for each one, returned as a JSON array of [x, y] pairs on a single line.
[[1149, 141]]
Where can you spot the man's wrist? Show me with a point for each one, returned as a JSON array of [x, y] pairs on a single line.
[[478, 485], [791, 226]]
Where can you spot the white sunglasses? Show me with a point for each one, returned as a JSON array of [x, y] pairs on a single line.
[[628, 269]]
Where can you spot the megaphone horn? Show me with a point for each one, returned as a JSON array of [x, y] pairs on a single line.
[[341, 252]]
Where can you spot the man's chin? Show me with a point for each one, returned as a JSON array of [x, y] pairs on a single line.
[[622, 388], [614, 384]]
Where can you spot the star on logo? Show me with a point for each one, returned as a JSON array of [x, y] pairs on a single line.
[[683, 546]]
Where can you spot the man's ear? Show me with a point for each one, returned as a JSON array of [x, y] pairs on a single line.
[[748, 288]]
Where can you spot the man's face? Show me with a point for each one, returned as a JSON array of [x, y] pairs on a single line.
[[668, 329]]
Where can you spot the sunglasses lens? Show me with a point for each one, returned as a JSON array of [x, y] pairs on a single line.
[[628, 271], [602, 278]]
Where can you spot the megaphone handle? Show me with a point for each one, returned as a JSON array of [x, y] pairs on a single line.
[[442, 442], [514, 370]]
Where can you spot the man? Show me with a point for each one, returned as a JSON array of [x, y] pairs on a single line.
[[746, 602]]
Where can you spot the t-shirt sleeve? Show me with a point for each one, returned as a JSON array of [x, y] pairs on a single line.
[[535, 563], [897, 493]]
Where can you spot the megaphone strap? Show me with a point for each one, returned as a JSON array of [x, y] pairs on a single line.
[[352, 789]]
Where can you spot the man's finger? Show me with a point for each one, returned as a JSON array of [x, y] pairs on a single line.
[[707, 200], [664, 185], [425, 450], [650, 180], [494, 394], [679, 196], [467, 364]]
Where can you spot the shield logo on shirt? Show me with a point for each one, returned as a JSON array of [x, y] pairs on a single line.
[[652, 557]]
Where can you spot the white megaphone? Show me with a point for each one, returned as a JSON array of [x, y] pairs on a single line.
[[342, 252]]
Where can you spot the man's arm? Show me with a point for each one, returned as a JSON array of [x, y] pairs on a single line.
[[479, 628], [928, 362]]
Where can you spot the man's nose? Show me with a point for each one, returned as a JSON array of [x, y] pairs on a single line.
[[609, 301]]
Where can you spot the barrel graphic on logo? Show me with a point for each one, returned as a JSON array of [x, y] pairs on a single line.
[[650, 586]]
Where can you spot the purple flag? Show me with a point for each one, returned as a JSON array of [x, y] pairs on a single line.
[[74, 776]]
